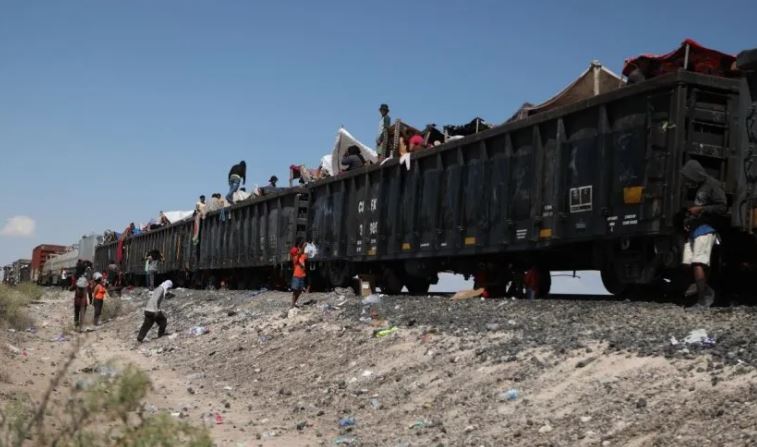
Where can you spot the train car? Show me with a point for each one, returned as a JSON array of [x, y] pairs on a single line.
[[247, 247], [84, 250], [592, 185], [40, 255]]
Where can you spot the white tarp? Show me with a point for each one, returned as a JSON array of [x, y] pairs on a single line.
[[326, 164], [175, 216], [344, 140]]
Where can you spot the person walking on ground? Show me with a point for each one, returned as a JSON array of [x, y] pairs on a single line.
[[80, 301], [64, 280], [153, 314], [99, 297], [237, 177], [300, 273], [382, 139], [701, 220], [151, 267]]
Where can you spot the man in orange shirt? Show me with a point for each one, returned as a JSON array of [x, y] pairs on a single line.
[[300, 273]]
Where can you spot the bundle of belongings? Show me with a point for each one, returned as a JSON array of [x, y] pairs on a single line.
[[593, 81], [689, 56], [475, 126]]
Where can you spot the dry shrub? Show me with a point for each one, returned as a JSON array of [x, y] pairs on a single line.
[[112, 307], [13, 308], [104, 408], [30, 290]]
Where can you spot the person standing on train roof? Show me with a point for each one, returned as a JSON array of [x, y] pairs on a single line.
[[710, 206], [153, 314], [300, 273], [382, 139], [237, 177]]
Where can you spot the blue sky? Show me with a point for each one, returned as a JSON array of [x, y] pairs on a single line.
[[111, 111]]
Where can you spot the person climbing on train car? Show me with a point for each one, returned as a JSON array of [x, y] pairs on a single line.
[[701, 224], [300, 272], [382, 139], [98, 296], [353, 159], [237, 178], [415, 142], [153, 314]]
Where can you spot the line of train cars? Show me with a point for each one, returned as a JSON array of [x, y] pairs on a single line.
[[594, 185]]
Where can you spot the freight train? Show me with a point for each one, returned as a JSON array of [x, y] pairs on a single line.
[[66, 261], [593, 185]]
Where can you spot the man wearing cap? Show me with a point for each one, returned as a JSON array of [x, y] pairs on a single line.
[[382, 139]]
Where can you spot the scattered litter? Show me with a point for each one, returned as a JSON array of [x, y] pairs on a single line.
[[31, 330], [373, 298], [420, 423], [255, 293], [13, 349], [384, 332], [228, 388], [699, 337], [509, 395], [492, 326], [347, 422], [375, 404], [59, 338], [673, 341], [173, 336], [545, 428], [219, 419], [367, 373], [176, 414], [345, 440], [467, 294], [199, 330]]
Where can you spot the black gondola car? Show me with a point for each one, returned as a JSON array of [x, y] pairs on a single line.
[[244, 249], [593, 185]]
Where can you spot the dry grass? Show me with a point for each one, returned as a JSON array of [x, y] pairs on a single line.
[[13, 306], [112, 307]]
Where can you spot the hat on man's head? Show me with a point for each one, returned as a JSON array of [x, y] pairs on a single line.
[[273, 179], [384, 107]]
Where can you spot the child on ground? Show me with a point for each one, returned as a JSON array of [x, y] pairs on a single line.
[[300, 273]]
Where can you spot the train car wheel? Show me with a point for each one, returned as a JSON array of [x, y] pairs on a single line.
[[417, 286], [391, 284], [612, 283]]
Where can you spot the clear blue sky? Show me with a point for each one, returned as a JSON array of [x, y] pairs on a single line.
[[111, 111]]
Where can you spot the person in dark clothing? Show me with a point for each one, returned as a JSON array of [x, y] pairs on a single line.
[[80, 301], [353, 159], [237, 177], [272, 181], [701, 221], [153, 314]]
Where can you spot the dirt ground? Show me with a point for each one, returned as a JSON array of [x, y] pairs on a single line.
[[479, 373]]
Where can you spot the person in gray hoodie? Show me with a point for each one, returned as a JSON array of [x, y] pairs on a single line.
[[701, 222], [153, 314]]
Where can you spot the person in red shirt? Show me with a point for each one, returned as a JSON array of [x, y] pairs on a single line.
[[300, 272], [416, 143], [531, 282]]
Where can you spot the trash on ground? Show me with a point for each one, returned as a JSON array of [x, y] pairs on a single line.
[[219, 419], [373, 298], [199, 330], [420, 423], [467, 294], [347, 422], [13, 349], [255, 293], [509, 395], [385, 332], [699, 337], [367, 373], [345, 440], [59, 338]]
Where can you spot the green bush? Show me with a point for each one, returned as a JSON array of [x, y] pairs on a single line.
[[13, 312]]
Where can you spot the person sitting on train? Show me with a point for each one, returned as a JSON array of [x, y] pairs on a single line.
[[216, 202], [353, 159], [272, 181], [415, 142], [237, 177], [164, 219], [710, 206]]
